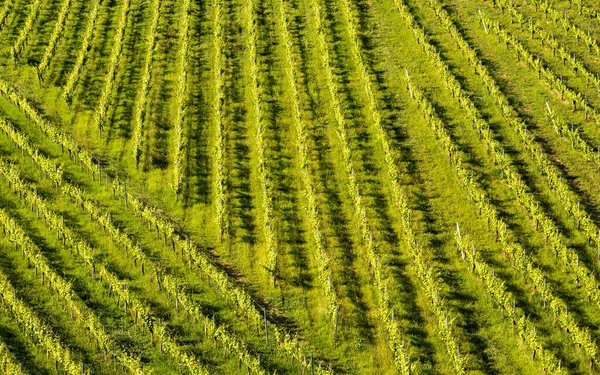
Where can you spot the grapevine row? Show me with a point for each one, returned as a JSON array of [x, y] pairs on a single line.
[[514, 181], [546, 38], [58, 28], [234, 292], [8, 364], [33, 326], [572, 134], [181, 91], [17, 47], [514, 250], [567, 198], [139, 111], [113, 62], [587, 11], [70, 239], [171, 284], [503, 298], [78, 312], [429, 280], [256, 113], [5, 11], [307, 181], [220, 183], [562, 20], [73, 77], [535, 63], [401, 356]]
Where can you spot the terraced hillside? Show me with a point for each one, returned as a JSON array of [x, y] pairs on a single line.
[[299, 187]]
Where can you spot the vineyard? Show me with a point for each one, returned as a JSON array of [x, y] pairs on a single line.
[[299, 187]]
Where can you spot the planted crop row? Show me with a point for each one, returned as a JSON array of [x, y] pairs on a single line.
[[8, 364], [535, 63], [54, 37], [5, 11], [518, 254], [257, 117], [73, 77], [139, 310], [113, 62], [502, 297], [248, 306], [430, 282], [220, 183], [64, 291], [139, 111], [181, 91], [171, 284], [34, 327], [17, 47], [562, 20], [568, 199]]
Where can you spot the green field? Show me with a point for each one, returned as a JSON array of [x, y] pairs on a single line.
[[299, 187]]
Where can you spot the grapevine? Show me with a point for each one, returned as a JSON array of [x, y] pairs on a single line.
[[73, 77], [139, 115], [58, 28], [8, 364], [17, 47], [181, 97], [79, 312], [220, 183], [515, 251], [252, 309], [33, 326], [113, 62]]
